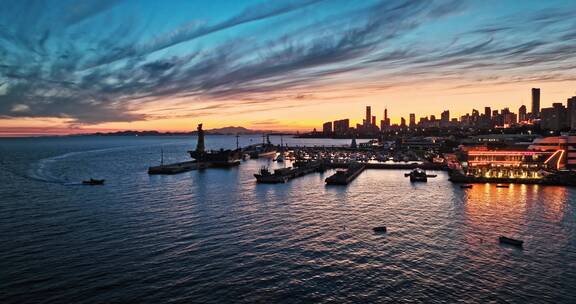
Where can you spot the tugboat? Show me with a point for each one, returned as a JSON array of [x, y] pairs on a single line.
[[93, 182], [417, 175], [221, 158]]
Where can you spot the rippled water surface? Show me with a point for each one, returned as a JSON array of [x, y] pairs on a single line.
[[215, 236]]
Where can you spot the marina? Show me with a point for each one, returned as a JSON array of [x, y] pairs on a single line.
[[542, 168]]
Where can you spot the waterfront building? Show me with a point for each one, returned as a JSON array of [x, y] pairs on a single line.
[[565, 143], [512, 164]]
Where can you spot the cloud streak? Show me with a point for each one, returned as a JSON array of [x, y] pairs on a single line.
[[73, 68]]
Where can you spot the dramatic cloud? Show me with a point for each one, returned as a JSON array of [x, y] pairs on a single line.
[[100, 61]]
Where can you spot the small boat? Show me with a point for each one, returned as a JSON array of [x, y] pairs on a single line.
[[93, 182], [502, 186], [465, 186], [379, 229], [510, 241], [417, 175]]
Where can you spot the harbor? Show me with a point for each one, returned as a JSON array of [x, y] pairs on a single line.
[[468, 165]]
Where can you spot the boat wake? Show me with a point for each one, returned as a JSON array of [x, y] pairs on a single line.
[[43, 170]]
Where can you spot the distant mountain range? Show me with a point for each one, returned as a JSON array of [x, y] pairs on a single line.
[[218, 131]]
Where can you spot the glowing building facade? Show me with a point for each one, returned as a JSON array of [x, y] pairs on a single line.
[[510, 164]]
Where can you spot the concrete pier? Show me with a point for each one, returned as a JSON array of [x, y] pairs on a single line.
[[343, 177], [176, 168]]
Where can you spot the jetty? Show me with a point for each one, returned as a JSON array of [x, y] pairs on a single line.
[[176, 168], [343, 177], [202, 159], [284, 174]]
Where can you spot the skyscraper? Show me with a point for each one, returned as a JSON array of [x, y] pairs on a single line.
[[572, 112], [535, 102], [445, 119], [327, 128], [374, 120], [522, 116], [368, 115], [402, 122], [488, 112], [412, 120]]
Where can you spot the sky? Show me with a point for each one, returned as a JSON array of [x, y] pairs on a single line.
[[74, 66]]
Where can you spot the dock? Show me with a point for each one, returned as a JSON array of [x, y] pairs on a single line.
[[176, 168], [284, 174], [344, 177]]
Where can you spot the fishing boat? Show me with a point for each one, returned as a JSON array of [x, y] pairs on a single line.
[[465, 186], [511, 241], [268, 150], [264, 176], [93, 182], [502, 186]]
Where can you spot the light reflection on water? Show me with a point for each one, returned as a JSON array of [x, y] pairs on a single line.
[[217, 236]]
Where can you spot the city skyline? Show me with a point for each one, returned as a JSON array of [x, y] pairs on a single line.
[[560, 116], [286, 65]]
